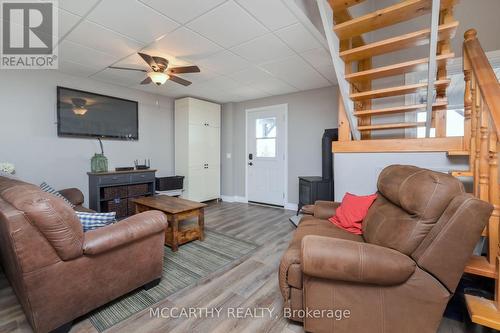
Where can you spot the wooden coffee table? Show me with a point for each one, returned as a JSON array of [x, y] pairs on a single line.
[[177, 210]]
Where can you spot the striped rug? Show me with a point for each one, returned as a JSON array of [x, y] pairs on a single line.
[[187, 267]]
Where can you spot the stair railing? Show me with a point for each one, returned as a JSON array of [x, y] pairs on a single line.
[[481, 134], [339, 66]]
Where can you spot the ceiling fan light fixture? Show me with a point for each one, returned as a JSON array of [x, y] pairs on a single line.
[[79, 111], [158, 78]]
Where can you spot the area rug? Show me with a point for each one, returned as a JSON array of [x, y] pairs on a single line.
[[187, 267]]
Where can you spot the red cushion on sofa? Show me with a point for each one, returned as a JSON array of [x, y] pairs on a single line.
[[352, 211]]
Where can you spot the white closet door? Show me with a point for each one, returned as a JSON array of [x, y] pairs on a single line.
[[212, 145], [196, 186], [212, 182], [197, 146]]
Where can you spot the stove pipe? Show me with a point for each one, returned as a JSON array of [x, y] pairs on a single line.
[[329, 136]]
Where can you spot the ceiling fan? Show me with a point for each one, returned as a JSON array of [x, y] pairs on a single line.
[[161, 73]]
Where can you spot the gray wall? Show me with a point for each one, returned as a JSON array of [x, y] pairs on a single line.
[[357, 173], [309, 114], [28, 130]]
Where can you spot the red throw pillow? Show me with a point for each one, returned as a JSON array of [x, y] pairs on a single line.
[[352, 212]]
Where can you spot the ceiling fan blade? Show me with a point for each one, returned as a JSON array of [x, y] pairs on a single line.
[[148, 59], [147, 80], [177, 79], [162, 63], [129, 69], [185, 69]]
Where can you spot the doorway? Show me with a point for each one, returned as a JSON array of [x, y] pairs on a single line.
[[266, 155]]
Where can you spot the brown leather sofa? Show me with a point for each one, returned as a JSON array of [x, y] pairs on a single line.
[[57, 271], [399, 275]]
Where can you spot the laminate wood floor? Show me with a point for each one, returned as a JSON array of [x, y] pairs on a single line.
[[252, 284]]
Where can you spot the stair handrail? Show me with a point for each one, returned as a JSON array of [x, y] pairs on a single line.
[[484, 76], [339, 65]]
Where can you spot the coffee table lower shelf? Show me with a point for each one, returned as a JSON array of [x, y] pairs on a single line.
[[177, 211]]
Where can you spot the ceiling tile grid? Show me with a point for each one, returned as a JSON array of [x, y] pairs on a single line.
[[245, 49]]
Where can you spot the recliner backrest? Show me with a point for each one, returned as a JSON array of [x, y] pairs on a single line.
[[410, 202]]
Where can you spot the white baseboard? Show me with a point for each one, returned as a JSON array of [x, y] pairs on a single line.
[[235, 198]]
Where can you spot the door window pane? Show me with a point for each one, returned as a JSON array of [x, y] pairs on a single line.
[[266, 147], [265, 128], [265, 135]]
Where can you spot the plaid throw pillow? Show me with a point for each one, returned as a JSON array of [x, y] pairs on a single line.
[[49, 189], [91, 221]]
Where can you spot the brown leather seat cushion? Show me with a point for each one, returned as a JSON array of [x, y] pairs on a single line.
[[290, 263]]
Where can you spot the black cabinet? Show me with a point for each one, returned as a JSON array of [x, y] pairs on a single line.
[[111, 191]]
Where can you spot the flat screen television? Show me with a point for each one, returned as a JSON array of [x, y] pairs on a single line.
[[85, 114]]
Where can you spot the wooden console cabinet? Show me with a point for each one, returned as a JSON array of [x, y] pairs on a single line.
[[111, 191]]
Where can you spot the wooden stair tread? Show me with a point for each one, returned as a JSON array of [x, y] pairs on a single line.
[[400, 109], [418, 38], [395, 91], [458, 153], [483, 311], [390, 126], [400, 12], [479, 265], [462, 173], [343, 4], [396, 69]]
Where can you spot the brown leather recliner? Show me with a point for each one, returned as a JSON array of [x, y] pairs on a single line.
[[399, 275], [57, 271]]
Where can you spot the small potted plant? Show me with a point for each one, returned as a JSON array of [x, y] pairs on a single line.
[[8, 168]]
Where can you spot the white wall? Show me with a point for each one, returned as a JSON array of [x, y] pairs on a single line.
[[357, 173], [309, 114], [28, 131]]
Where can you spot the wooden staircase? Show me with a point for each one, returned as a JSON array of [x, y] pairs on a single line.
[[358, 54], [481, 110]]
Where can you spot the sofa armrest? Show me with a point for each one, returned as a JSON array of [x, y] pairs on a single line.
[[343, 260], [124, 232], [73, 195], [325, 209]]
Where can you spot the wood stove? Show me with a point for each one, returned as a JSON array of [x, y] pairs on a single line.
[[320, 187]]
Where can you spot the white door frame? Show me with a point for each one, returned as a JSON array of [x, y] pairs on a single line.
[[264, 108]]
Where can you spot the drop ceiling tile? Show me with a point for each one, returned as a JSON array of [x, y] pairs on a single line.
[[318, 57], [69, 51], [184, 44], [262, 81], [182, 11], [75, 69], [263, 49], [132, 19], [224, 62], [245, 93], [204, 75], [119, 77], [298, 38], [296, 72], [272, 13], [228, 25], [102, 39], [78, 7]]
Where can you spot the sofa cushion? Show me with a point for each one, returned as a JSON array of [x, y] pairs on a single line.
[[411, 201], [55, 220]]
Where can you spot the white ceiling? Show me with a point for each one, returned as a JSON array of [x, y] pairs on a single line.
[[246, 49]]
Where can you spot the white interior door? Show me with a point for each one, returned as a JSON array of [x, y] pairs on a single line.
[[266, 154]]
